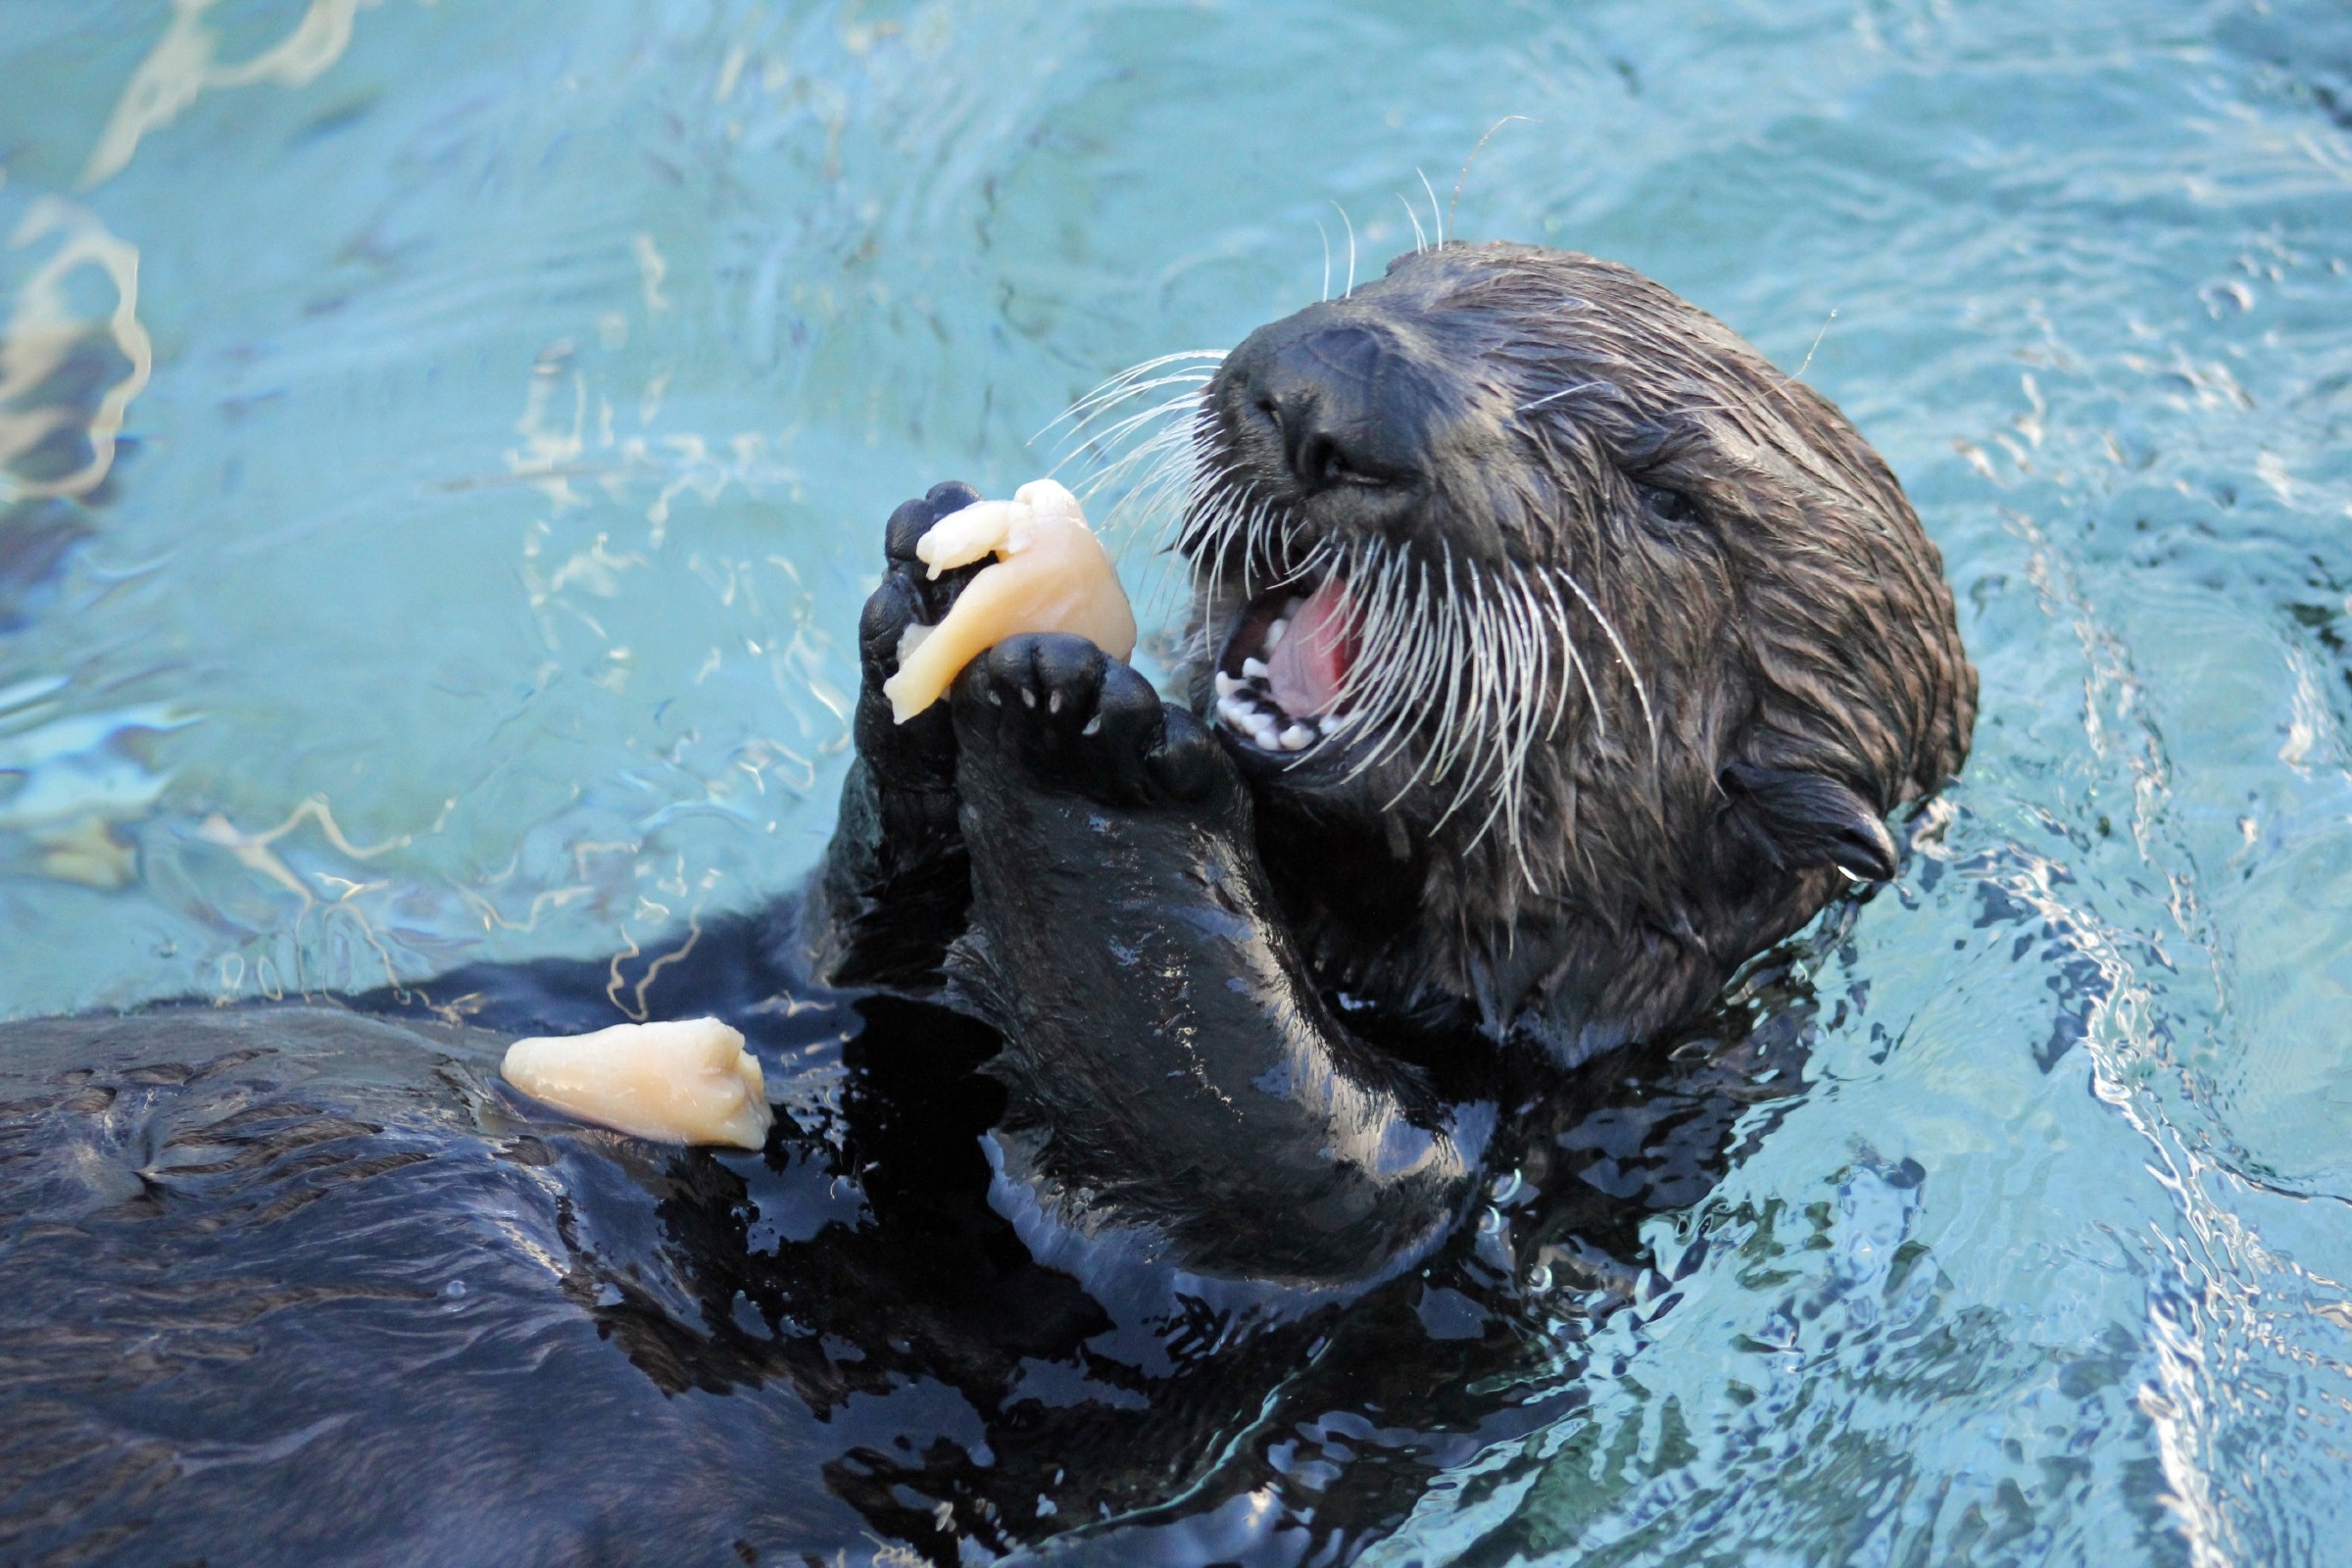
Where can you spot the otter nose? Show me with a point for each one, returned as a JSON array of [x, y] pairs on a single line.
[[1330, 395]]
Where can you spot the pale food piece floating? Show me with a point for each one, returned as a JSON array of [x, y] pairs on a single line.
[[684, 1082], [1051, 575]]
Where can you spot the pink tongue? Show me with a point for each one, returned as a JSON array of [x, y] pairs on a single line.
[[1307, 667]]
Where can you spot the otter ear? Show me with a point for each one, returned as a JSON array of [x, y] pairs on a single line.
[[1812, 819]]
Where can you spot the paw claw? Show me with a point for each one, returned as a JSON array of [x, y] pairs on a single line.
[[1082, 721]]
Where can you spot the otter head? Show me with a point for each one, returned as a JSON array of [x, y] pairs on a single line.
[[1538, 588]]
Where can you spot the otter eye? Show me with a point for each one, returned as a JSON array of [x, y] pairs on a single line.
[[1668, 506]]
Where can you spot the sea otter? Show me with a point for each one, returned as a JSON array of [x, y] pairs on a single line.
[[1550, 655], [1603, 651]]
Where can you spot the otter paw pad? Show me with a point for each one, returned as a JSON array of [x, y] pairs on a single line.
[[1064, 711]]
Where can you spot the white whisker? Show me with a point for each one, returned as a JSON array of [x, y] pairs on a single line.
[[1564, 392], [1112, 434], [1436, 213], [1351, 222], [1115, 388], [1608, 630], [1456, 205], [1576, 661]]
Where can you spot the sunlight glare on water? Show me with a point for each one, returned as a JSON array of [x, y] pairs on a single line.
[[443, 448]]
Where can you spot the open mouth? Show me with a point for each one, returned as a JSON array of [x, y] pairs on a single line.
[[1282, 678]]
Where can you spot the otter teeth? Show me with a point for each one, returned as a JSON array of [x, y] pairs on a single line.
[[1237, 711], [1245, 706]]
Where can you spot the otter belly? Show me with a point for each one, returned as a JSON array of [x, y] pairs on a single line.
[[252, 1252]]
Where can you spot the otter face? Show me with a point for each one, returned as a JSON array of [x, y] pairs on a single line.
[[1522, 546], [1392, 568]]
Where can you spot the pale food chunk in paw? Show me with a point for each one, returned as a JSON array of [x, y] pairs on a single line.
[[1051, 575], [685, 1082]]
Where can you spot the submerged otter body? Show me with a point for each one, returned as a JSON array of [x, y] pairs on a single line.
[[1603, 651]]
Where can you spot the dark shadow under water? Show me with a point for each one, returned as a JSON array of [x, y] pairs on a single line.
[[303, 1285]]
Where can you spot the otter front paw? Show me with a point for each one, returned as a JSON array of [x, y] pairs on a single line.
[[1067, 716], [920, 754]]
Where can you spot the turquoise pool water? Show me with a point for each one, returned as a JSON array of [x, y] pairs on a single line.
[[510, 395]]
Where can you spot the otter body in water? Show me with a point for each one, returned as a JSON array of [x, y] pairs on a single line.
[[1550, 656]]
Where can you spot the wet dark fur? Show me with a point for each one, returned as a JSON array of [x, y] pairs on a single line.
[[306, 1285], [1171, 927], [1231, 1035], [1787, 615]]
